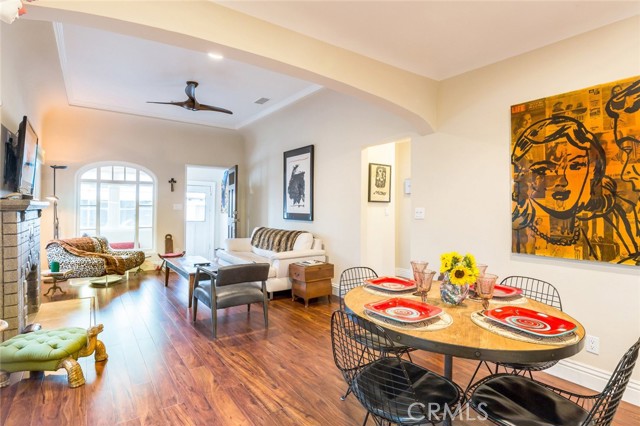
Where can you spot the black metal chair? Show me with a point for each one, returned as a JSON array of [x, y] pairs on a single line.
[[354, 277], [231, 286], [351, 278], [508, 399], [391, 389], [540, 291]]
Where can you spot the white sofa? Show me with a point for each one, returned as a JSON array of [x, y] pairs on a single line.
[[279, 253]]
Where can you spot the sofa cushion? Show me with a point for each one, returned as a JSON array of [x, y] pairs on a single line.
[[304, 241], [262, 252], [274, 239]]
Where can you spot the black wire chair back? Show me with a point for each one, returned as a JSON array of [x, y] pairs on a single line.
[[606, 402], [535, 289], [599, 409], [540, 291], [390, 388], [352, 278]]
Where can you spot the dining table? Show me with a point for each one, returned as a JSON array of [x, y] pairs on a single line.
[[460, 334]]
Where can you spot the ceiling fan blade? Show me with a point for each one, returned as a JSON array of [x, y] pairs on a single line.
[[168, 103], [192, 104], [203, 107]]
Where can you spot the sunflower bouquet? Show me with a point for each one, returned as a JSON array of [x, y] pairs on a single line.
[[458, 269]]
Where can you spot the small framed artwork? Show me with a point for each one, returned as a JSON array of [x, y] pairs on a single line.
[[379, 183], [298, 184]]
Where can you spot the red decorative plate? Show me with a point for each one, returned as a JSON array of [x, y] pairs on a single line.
[[403, 310], [530, 321], [500, 291], [391, 283]]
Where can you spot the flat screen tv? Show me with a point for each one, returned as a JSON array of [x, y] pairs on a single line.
[[27, 150], [9, 161]]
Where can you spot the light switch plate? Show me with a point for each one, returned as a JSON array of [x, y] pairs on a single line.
[[407, 186]]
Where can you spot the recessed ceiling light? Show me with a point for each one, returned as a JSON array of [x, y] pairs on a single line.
[[216, 56]]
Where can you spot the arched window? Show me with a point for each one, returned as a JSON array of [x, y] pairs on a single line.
[[117, 201]]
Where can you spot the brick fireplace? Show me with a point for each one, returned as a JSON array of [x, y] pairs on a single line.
[[19, 262]]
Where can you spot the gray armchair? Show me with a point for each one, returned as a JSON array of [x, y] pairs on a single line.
[[231, 286]]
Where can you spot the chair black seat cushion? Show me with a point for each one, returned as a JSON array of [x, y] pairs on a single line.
[[231, 295], [379, 382], [518, 400]]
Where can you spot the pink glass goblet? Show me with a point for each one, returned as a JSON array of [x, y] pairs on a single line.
[[484, 288], [418, 267], [425, 284], [482, 268]]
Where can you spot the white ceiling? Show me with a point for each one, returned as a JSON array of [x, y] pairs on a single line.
[[436, 39]]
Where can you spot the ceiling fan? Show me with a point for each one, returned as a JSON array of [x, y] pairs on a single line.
[[192, 104]]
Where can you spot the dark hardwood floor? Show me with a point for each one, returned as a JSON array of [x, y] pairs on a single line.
[[165, 370]]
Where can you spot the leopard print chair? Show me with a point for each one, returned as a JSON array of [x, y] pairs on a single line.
[[88, 266]]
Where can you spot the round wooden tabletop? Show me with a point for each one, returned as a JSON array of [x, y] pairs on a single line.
[[465, 339]]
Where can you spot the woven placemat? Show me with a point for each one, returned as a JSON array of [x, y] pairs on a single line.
[[380, 292], [443, 320], [502, 330], [513, 300]]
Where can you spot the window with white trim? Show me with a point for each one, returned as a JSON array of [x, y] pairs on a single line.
[[117, 201]]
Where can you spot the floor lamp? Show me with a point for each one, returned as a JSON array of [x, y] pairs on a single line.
[[54, 199]]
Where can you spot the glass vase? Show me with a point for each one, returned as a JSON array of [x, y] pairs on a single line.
[[453, 294]]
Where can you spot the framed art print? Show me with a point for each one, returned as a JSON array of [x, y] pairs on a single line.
[[298, 184], [379, 183]]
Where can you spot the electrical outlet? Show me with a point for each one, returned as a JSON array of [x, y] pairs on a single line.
[[593, 344]]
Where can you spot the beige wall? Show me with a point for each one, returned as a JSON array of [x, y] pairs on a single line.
[[460, 175], [404, 213], [465, 167], [78, 136], [340, 127], [379, 219]]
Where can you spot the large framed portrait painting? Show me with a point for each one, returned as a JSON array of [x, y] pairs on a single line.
[[575, 162], [298, 184]]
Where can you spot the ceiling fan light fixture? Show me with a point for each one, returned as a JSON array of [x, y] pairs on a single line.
[[215, 56], [191, 103]]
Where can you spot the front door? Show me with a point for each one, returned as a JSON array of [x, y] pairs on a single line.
[[232, 202], [200, 219]]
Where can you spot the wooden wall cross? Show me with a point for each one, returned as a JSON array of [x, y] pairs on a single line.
[[172, 181]]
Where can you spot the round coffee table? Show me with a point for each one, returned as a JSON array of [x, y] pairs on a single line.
[[54, 277]]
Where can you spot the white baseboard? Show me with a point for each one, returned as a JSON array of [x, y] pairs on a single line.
[[592, 378]]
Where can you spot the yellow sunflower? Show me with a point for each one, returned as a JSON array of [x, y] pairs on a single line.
[[461, 275], [470, 261], [446, 262]]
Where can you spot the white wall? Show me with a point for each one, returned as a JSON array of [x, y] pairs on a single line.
[[340, 127], [465, 166]]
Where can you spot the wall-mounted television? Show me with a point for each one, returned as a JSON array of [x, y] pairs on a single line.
[[27, 149], [9, 161]]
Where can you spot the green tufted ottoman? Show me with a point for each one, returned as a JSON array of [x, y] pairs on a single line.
[[50, 350]]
